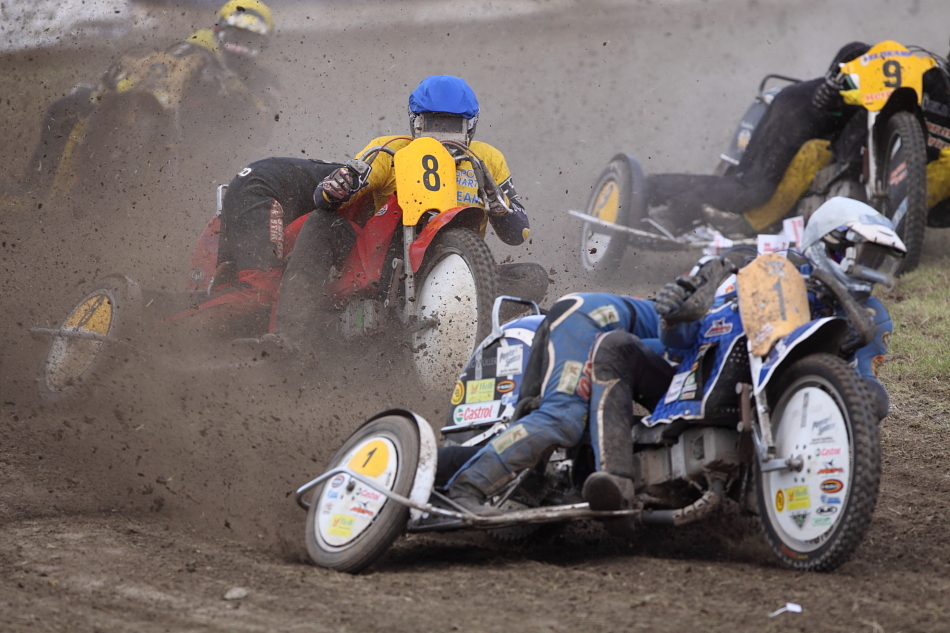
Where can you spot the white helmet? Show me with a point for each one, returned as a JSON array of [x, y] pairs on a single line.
[[855, 243]]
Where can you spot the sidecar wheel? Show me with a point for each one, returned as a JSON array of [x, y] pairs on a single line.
[[815, 518], [456, 288], [109, 308], [349, 525], [613, 200], [903, 170]]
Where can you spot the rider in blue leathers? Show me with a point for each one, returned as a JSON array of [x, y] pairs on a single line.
[[560, 362]]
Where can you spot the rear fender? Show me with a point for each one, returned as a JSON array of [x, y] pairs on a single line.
[[428, 454], [467, 217], [815, 337]]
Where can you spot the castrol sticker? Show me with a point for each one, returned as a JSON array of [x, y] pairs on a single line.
[[468, 413]]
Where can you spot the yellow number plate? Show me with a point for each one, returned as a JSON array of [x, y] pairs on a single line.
[[425, 179], [772, 301], [885, 68]]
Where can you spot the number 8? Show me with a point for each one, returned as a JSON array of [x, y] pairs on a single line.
[[430, 177]]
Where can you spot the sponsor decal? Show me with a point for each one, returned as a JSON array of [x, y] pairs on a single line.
[[570, 374], [196, 275], [504, 386], [276, 224], [831, 500], [372, 495], [830, 468], [719, 327], [244, 172], [779, 501], [764, 332], [799, 518], [820, 427], [825, 510], [480, 390], [337, 481], [876, 363], [583, 384], [504, 441], [340, 525], [509, 360], [797, 498], [383, 210], [605, 315], [831, 485], [898, 174], [333, 494], [458, 393], [871, 97], [821, 521], [676, 387], [827, 452], [476, 412], [363, 511], [867, 59]]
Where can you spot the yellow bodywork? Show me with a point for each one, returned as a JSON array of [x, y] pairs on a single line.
[[773, 301], [812, 156], [607, 205], [425, 179], [938, 179], [93, 315], [885, 68]]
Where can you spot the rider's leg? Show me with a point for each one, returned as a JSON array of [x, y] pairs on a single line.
[[325, 238], [59, 131], [622, 370]]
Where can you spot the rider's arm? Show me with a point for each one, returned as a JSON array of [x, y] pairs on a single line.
[[679, 335]]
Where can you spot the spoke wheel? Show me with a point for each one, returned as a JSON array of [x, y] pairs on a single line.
[[350, 525], [903, 174], [815, 518], [454, 297]]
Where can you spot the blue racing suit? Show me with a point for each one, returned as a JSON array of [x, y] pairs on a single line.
[[575, 322]]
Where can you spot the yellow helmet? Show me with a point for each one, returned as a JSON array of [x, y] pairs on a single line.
[[253, 15], [243, 26]]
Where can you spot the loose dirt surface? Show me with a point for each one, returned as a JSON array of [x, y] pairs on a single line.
[[170, 488]]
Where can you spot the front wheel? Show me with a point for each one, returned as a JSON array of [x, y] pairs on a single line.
[[454, 297], [816, 517], [349, 524], [903, 177], [617, 197], [94, 338]]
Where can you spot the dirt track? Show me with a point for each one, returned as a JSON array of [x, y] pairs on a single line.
[[138, 510]]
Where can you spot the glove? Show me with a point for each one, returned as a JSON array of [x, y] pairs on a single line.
[[345, 181], [851, 343], [691, 296], [497, 206], [673, 295], [827, 96]]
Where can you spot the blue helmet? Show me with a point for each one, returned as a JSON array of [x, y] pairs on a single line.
[[444, 94]]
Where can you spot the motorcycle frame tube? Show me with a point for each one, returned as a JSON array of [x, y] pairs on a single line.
[[409, 234]]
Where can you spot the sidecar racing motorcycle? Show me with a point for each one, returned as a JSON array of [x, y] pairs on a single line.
[[420, 269], [781, 425], [879, 158]]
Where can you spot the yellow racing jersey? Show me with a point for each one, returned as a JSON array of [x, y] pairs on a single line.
[[382, 178]]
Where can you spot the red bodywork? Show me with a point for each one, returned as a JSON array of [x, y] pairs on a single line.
[[363, 267]]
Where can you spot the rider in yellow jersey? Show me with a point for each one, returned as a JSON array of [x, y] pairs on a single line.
[[209, 80], [443, 107]]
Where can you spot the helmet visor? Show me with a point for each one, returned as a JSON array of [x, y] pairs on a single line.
[[883, 259]]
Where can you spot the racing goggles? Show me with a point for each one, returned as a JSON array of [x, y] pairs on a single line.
[[242, 42]]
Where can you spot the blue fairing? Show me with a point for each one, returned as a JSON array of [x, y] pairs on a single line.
[[823, 335]]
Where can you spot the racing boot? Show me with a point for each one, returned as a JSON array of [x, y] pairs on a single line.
[[606, 492], [730, 225], [471, 499]]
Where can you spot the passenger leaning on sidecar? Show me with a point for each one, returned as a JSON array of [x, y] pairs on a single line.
[[211, 79], [844, 237]]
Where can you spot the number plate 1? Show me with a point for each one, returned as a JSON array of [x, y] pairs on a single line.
[[772, 301], [425, 179]]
